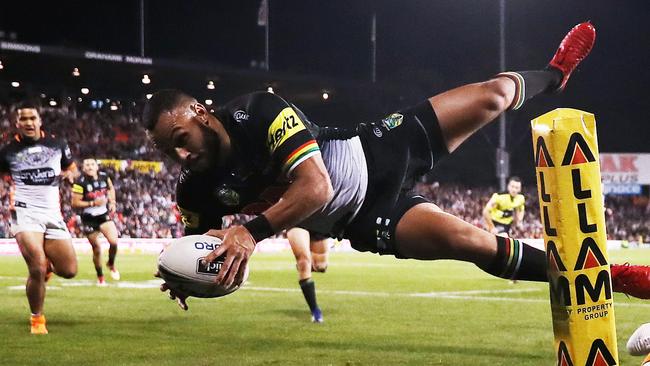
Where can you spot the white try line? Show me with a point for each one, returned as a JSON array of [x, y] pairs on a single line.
[[469, 295]]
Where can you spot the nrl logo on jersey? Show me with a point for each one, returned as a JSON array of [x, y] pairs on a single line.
[[240, 116], [392, 121], [227, 196]]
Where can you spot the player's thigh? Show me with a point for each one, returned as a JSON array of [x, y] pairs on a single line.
[[426, 232], [93, 239], [62, 255], [299, 242], [31, 246], [109, 230]]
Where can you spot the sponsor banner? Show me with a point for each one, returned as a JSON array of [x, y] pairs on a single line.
[[633, 189], [625, 168], [570, 197], [143, 166], [155, 246]]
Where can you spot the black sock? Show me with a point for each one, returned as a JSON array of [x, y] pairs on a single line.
[[531, 83], [308, 288], [112, 252], [518, 261], [99, 271]]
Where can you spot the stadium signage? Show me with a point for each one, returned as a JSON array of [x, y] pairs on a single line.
[[114, 57], [622, 169], [21, 47], [570, 196]]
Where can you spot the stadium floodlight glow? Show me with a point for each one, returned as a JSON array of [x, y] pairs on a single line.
[[113, 107], [1, 65], [208, 102], [80, 99], [52, 102], [326, 95], [145, 79], [42, 95], [15, 84], [75, 72], [148, 96], [210, 85], [85, 91], [270, 89]]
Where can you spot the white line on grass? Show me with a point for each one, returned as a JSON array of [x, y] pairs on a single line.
[[469, 295]]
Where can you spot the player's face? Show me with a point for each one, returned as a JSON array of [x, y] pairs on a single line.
[[514, 188], [184, 135], [28, 123], [90, 167]]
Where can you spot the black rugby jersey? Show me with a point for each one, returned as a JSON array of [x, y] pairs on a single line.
[[269, 139], [91, 188], [35, 167]]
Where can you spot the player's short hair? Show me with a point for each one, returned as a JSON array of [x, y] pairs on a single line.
[[514, 178], [28, 104], [162, 101]]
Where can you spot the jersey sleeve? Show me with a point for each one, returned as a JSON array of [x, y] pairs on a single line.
[[66, 155], [521, 204], [288, 140], [78, 187]]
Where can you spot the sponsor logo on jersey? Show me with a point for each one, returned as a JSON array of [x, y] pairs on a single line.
[[37, 177], [240, 116], [377, 131], [392, 121], [285, 125], [227, 196]]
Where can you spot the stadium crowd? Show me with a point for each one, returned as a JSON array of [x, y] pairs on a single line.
[[146, 203]]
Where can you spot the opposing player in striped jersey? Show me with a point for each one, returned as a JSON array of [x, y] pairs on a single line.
[[37, 162]]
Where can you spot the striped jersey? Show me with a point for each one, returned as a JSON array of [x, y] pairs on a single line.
[[35, 167]]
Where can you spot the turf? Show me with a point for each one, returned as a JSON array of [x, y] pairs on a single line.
[[378, 311]]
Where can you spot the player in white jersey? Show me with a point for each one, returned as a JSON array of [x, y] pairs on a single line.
[[36, 163], [94, 194]]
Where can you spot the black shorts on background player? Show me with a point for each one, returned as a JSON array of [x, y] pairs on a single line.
[[91, 223]]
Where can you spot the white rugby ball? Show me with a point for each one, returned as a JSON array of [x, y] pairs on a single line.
[[180, 266]]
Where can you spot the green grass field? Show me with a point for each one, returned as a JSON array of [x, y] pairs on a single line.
[[378, 311]]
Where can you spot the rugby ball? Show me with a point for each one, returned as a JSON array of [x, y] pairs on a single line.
[[180, 265]]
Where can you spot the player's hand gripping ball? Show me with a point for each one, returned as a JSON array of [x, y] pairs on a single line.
[[181, 266]]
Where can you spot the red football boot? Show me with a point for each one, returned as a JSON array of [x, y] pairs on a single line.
[[631, 280], [575, 46]]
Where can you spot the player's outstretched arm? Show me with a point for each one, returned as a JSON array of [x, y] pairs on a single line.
[[309, 191]]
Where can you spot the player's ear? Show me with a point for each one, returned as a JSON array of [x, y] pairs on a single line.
[[201, 113]]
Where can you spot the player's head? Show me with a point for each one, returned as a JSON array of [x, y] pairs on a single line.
[[28, 120], [183, 129], [90, 167], [514, 186]]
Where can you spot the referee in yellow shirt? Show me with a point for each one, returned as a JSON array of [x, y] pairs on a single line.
[[505, 208]]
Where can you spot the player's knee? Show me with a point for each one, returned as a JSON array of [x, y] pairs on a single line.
[[37, 270], [496, 95], [67, 271], [319, 267], [303, 264]]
